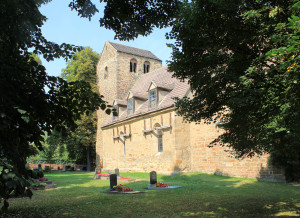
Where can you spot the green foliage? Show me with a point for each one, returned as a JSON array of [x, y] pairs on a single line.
[[243, 68], [40, 174], [47, 169], [12, 182], [82, 67], [49, 151], [27, 111], [81, 142]]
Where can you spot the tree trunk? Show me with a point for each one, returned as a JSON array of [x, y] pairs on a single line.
[[88, 158]]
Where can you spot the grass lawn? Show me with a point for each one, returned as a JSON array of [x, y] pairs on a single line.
[[78, 195]]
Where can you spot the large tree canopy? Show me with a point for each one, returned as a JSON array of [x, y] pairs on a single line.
[[27, 110], [241, 59], [242, 62], [81, 143]]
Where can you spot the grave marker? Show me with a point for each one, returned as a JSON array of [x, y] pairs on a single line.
[[153, 178], [117, 171], [113, 180]]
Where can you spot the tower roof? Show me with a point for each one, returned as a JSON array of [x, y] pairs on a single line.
[[134, 51]]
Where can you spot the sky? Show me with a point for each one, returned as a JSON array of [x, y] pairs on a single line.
[[65, 26]]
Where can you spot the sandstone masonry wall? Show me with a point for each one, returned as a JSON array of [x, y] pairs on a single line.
[[216, 160], [141, 149]]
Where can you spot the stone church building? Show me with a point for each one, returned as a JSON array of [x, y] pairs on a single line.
[[147, 134]]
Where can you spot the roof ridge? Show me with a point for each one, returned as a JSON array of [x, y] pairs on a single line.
[[134, 50], [129, 46]]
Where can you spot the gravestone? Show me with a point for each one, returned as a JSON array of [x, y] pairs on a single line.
[[117, 171], [58, 168], [39, 166], [113, 180], [153, 178]]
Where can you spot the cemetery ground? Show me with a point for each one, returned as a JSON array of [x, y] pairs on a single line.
[[76, 194]]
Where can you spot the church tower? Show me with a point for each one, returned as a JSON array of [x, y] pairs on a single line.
[[118, 68]]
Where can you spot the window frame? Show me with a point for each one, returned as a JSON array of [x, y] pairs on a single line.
[[155, 100], [132, 66], [146, 67], [130, 106]]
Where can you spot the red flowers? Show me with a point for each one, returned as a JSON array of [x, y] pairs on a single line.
[[103, 174], [122, 188], [159, 184]]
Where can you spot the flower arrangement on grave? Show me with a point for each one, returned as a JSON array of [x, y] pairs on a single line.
[[122, 188], [103, 174], [42, 179], [160, 184]]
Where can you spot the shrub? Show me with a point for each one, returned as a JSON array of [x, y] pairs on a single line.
[[40, 174], [47, 169]]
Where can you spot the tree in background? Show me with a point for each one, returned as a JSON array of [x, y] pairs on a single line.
[[241, 59], [82, 141], [27, 111]]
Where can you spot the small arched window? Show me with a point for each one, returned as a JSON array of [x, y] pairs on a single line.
[[106, 72], [133, 65], [159, 137], [146, 67]]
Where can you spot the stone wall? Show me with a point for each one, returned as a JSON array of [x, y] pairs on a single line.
[[126, 79], [185, 148], [141, 150], [115, 80], [216, 160]]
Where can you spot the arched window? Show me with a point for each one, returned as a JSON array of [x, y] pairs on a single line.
[[106, 72], [133, 65], [146, 67], [159, 137]]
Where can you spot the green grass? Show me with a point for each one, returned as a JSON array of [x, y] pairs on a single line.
[[78, 195]]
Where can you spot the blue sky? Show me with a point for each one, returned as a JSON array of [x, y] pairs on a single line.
[[63, 25]]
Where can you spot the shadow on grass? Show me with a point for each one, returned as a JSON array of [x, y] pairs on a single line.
[[78, 195]]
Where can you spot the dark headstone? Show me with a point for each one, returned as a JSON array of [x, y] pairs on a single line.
[[39, 166], [153, 178], [113, 180], [58, 168], [117, 172]]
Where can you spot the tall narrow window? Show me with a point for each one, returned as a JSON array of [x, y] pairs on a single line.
[[130, 106], [146, 67], [133, 65], [160, 140], [152, 98], [106, 73]]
